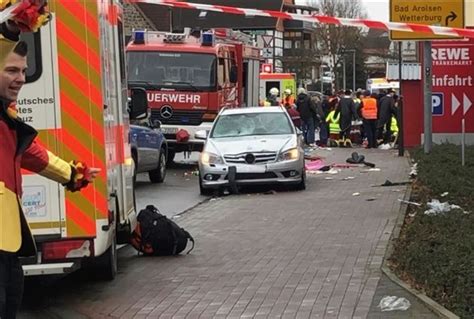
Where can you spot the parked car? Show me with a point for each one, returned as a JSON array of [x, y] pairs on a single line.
[[255, 145], [149, 150]]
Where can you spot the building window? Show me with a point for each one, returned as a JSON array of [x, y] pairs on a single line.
[[307, 44], [297, 44], [288, 44]]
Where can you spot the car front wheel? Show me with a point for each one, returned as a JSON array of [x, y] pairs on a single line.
[[302, 184], [204, 191], [158, 175]]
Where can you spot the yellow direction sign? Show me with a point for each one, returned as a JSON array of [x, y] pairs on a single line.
[[444, 13]]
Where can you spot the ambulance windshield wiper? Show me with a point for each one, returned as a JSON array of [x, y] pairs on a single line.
[[148, 84], [185, 83]]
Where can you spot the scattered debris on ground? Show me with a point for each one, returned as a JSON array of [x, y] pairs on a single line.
[[436, 207], [409, 202], [414, 171], [390, 183], [393, 303]]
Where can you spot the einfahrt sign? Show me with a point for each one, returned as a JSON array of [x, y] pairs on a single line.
[[453, 81]]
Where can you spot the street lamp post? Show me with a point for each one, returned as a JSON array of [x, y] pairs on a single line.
[[353, 51]]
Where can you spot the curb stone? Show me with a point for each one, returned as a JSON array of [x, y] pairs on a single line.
[[427, 301]]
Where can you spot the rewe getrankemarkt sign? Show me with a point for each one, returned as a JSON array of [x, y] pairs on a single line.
[[445, 13], [453, 85]]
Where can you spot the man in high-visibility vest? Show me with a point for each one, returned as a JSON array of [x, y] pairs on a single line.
[[272, 99], [368, 110], [288, 99], [334, 128]]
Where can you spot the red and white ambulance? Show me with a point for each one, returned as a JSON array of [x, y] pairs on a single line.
[[190, 77]]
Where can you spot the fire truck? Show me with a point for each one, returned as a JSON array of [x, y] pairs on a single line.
[[76, 96], [189, 77]]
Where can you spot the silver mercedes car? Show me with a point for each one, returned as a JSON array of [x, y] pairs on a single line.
[[254, 145]]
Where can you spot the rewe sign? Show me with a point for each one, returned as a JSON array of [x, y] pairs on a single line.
[[452, 97], [453, 85]]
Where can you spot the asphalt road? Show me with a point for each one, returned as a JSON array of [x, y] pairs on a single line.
[[178, 193]]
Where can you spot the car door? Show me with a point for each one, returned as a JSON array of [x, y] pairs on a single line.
[[146, 144]]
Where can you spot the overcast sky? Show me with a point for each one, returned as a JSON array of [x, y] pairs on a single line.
[[376, 9]]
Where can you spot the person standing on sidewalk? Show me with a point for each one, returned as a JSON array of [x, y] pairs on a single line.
[[308, 113], [368, 108], [348, 113], [387, 109], [19, 149]]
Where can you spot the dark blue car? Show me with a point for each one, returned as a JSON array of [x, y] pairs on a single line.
[[149, 150]]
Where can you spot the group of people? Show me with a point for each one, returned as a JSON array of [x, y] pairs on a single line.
[[337, 116], [378, 114]]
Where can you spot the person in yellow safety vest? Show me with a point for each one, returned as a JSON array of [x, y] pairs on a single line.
[[394, 126], [369, 112], [334, 128], [272, 100]]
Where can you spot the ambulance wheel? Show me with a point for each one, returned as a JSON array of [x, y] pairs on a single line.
[[107, 263], [170, 158], [158, 175]]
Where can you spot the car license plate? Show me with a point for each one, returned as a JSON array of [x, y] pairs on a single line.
[[169, 130], [251, 169]]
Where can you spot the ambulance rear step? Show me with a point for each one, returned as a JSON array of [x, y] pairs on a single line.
[[50, 269]]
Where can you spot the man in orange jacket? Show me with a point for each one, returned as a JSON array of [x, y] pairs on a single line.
[[18, 149], [368, 109]]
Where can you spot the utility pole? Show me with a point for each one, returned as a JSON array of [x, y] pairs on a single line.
[[353, 70], [401, 145], [427, 87], [343, 72]]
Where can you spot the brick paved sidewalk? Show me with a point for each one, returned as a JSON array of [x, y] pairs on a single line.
[[310, 254]]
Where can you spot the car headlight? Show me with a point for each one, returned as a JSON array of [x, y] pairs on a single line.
[[211, 158], [291, 154]]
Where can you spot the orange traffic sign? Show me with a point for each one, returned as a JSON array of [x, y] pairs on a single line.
[[443, 13]]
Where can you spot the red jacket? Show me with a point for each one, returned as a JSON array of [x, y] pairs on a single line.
[[18, 149]]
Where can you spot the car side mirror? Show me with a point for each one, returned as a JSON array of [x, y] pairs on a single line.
[[201, 134], [233, 74], [299, 132], [138, 104]]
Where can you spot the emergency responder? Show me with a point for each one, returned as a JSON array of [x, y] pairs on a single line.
[[294, 115], [368, 110], [348, 112], [272, 99], [288, 99], [19, 149], [387, 109], [334, 129]]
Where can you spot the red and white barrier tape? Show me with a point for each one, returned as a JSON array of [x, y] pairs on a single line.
[[392, 26]]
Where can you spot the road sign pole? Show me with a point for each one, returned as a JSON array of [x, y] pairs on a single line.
[[463, 141], [427, 87], [401, 145]]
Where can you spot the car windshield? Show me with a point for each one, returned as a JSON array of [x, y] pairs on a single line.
[[177, 70], [234, 125]]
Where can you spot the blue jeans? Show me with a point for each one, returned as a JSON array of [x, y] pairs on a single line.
[[308, 130]]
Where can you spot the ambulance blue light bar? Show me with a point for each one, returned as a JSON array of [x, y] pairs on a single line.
[[207, 39], [139, 37]]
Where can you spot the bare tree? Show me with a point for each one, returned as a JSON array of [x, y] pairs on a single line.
[[335, 40]]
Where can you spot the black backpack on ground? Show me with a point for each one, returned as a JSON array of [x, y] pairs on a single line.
[[157, 235]]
